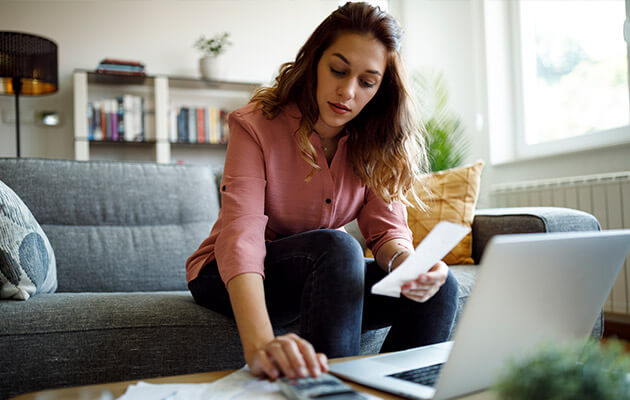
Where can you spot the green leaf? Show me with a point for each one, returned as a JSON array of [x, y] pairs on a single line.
[[447, 145], [213, 46], [568, 372]]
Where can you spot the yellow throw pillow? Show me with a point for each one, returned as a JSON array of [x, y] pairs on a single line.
[[453, 197]]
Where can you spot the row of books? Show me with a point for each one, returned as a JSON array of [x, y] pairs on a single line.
[[198, 125], [117, 119], [121, 67], [125, 118]]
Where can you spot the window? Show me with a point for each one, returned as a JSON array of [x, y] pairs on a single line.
[[571, 73]]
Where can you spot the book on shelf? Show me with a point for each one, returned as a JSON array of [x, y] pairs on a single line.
[[90, 121], [116, 61], [120, 132], [113, 116], [121, 67], [128, 123], [190, 124], [201, 125], [117, 119], [182, 124], [214, 134], [172, 125], [225, 128]]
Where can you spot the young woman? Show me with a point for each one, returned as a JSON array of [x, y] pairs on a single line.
[[334, 139]]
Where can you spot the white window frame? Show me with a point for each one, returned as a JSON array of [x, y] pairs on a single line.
[[522, 150]]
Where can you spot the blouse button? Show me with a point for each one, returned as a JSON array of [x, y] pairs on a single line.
[[328, 201]]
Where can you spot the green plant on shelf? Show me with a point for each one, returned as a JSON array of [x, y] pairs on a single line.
[[213, 46]]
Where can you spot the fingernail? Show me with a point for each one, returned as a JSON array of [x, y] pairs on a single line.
[[303, 372]]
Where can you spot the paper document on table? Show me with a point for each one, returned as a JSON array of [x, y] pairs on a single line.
[[166, 391], [237, 385], [442, 238]]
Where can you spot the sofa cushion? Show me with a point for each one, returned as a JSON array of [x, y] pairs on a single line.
[[497, 221], [27, 261], [133, 224], [452, 197], [86, 338]]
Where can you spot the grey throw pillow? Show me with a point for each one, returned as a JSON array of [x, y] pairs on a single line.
[[27, 261]]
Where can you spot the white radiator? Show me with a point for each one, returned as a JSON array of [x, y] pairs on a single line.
[[606, 196]]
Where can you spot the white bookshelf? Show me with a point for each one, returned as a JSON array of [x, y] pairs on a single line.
[[160, 93]]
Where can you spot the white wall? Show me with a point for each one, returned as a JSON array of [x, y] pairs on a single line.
[[159, 33], [448, 35]]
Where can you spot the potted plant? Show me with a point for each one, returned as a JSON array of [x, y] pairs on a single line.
[[447, 146], [593, 371], [210, 64]]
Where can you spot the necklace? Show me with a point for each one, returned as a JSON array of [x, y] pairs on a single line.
[[324, 147]]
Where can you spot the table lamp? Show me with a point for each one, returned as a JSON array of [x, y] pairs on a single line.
[[28, 67]]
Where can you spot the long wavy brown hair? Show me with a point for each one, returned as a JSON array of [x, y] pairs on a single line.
[[386, 144]]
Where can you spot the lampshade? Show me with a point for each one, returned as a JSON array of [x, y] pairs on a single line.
[[28, 67], [29, 58]]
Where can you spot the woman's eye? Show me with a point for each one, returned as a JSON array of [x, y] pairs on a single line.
[[334, 71], [367, 84]]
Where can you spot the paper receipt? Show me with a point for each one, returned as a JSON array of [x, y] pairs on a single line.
[[442, 238]]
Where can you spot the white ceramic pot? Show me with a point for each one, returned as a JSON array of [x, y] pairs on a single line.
[[211, 67]]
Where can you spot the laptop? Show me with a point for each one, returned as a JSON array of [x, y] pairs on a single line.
[[530, 289]]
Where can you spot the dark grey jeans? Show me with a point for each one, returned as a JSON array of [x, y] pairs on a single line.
[[322, 278]]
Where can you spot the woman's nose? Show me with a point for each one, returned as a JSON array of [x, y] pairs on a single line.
[[346, 90]]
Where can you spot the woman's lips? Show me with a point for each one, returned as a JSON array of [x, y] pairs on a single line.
[[338, 108]]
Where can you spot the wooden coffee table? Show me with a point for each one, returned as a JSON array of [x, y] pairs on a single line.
[[117, 389]]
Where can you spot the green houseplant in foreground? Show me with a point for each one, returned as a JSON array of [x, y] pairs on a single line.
[[447, 146], [590, 371]]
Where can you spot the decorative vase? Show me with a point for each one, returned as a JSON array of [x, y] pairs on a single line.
[[211, 67]]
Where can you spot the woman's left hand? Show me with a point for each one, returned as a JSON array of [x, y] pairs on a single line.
[[426, 285]]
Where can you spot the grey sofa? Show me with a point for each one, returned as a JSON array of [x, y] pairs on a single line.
[[121, 233]]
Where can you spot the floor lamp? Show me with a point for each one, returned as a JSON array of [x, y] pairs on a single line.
[[28, 67]]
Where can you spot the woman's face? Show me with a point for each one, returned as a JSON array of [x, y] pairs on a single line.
[[349, 74]]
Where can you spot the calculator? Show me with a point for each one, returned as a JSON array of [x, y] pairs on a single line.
[[325, 387]]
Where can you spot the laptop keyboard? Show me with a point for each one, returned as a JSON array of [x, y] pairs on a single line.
[[424, 376]]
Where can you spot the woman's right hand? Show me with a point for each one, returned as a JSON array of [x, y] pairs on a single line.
[[287, 355]]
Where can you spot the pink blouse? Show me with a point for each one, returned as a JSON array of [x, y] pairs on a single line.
[[265, 196]]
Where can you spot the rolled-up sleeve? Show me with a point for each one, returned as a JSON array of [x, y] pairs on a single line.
[[380, 222], [240, 243]]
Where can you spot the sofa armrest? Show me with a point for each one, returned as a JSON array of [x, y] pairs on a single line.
[[498, 221]]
